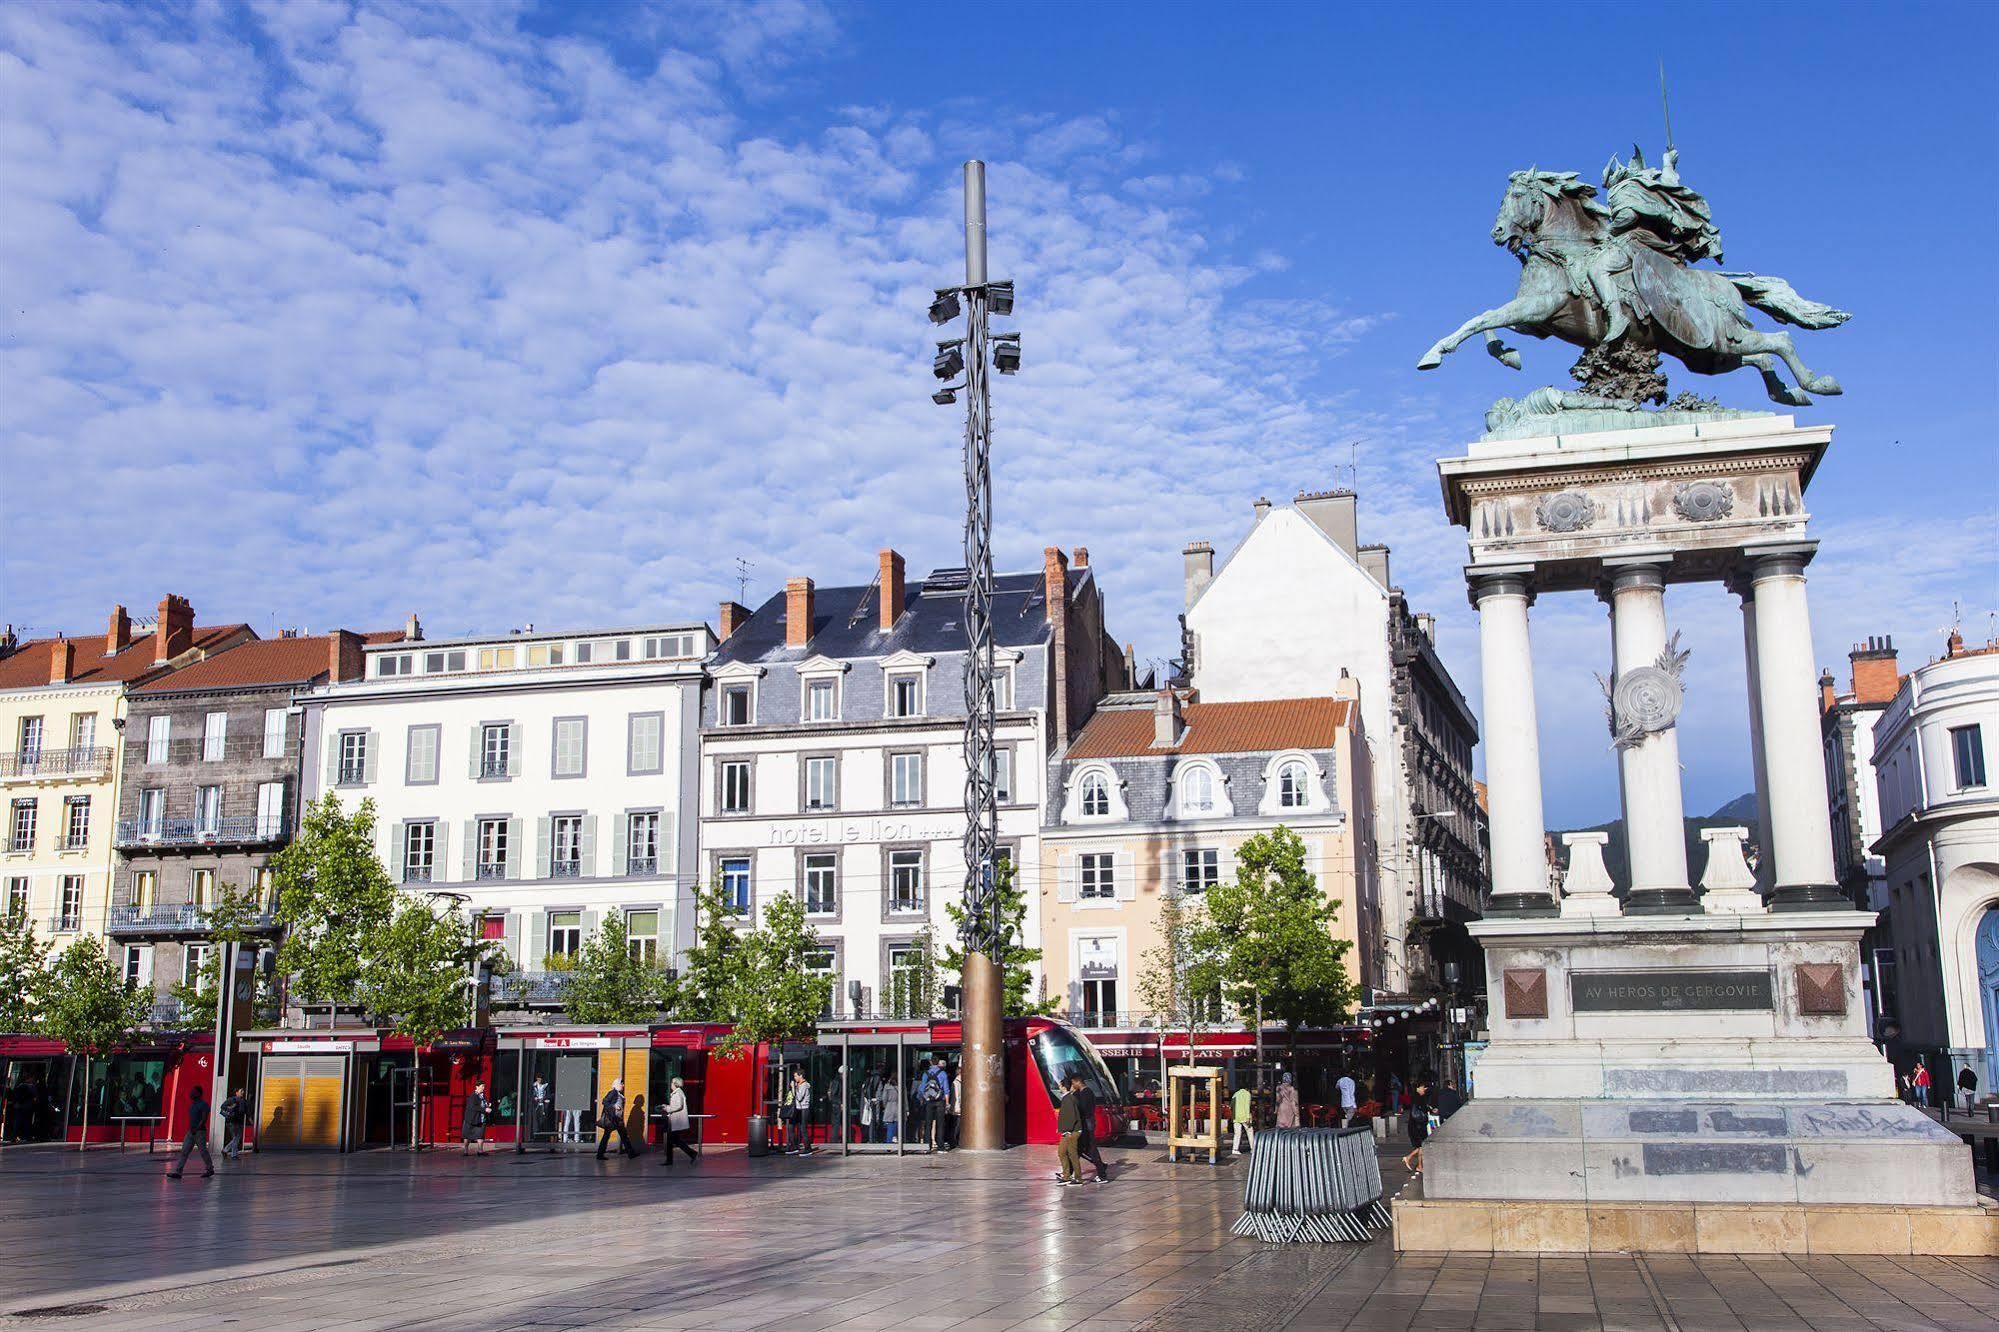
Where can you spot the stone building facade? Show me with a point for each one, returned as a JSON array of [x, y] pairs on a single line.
[[1846, 730], [209, 794], [832, 754]]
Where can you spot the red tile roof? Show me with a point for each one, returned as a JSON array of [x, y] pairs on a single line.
[[1256, 727], [263, 661], [28, 668]]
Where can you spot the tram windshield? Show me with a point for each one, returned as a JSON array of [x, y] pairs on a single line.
[[1060, 1054]]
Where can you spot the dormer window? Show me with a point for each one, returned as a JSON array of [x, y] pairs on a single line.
[[1096, 799], [905, 696], [1197, 792], [1294, 786], [736, 710]]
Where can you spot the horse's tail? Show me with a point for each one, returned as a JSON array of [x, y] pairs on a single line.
[[1776, 298]]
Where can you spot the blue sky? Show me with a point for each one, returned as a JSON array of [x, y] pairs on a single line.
[[323, 314]]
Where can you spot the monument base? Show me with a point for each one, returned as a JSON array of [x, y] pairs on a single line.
[[1483, 1225]]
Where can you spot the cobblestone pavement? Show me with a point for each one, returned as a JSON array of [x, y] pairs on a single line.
[[376, 1240]]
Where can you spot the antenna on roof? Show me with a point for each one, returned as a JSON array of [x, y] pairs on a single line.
[[743, 567]]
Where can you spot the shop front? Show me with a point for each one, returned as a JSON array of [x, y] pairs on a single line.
[[304, 1087], [1139, 1057]]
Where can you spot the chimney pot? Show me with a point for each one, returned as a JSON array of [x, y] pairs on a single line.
[[413, 629], [119, 636], [893, 590], [1261, 510], [798, 612], [62, 661], [1167, 719], [1876, 675], [733, 616]]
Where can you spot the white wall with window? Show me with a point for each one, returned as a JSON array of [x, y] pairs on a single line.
[[554, 799]]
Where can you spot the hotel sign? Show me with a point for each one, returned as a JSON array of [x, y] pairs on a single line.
[[840, 832], [1669, 991]]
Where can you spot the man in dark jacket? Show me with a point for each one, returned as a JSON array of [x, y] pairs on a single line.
[[1069, 1131], [1449, 1099], [197, 1135], [1086, 1145], [235, 1110], [611, 1119]]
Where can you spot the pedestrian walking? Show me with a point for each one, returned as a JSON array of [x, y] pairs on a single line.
[[889, 1107], [1241, 1108], [1287, 1103], [1086, 1143], [1395, 1092], [473, 1130], [1347, 1098], [800, 1114], [1920, 1080], [933, 1096], [1069, 1137], [611, 1119], [1419, 1124], [235, 1112], [541, 1109], [677, 1122], [1967, 1087], [197, 1135]]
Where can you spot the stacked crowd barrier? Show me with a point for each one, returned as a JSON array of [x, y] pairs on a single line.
[[1322, 1185]]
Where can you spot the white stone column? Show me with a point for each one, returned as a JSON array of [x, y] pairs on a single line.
[[1794, 762], [1512, 741], [1743, 588], [1648, 767]]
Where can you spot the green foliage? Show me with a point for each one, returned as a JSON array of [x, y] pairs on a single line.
[[1017, 961], [414, 976], [228, 921], [333, 897], [86, 1002], [770, 994], [609, 985], [23, 962], [709, 967], [1265, 940], [917, 993], [1176, 981]]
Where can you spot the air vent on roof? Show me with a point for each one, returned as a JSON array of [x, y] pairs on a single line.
[[948, 580]]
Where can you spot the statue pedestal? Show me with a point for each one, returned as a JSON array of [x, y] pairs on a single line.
[[1666, 1068]]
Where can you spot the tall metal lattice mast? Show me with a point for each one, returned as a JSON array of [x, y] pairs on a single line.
[[983, 938]]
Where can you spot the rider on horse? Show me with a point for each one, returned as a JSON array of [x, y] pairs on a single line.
[[1650, 207]]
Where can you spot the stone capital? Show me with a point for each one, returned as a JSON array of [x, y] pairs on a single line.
[[1499, 580], [1779, 559]]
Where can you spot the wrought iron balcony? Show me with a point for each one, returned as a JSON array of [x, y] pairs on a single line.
[[230, 830], [166, 1015], [416, 874], [43, 764], [488, 869], [635, 865], [522, 988], [565, 869], [61, 924], [492, 767], [159, 918]]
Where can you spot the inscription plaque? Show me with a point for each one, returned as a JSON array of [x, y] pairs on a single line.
[[1668, 991]]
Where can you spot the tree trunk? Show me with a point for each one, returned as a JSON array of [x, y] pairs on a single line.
[[84, 1141], [1259, 1039]]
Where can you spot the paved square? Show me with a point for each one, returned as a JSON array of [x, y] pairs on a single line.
[[376, 1240]]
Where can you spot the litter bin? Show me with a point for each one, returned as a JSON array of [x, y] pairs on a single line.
[[759, 1136]]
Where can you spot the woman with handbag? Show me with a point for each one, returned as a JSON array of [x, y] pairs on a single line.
[[611, 1119]]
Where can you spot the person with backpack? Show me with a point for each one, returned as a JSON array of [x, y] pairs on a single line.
[[235, 1112], [933, 1098]]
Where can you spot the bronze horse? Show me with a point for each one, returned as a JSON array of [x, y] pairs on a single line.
[[1587, 284]]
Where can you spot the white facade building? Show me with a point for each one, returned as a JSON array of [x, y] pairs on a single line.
[[832, 755], [549, 778], [1936, 749]]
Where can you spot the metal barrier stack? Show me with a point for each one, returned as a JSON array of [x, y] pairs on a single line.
[[1322, 1185]]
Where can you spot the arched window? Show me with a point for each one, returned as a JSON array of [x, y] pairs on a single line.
[[1294, 786], [1197, 791], [1096, 795]]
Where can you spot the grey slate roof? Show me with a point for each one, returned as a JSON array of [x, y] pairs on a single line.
[[846, 620]]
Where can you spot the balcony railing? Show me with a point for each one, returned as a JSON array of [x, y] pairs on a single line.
[[492, 767], [416, 874], [641, 865], [565, 869], [491, 870], [175, 918], [230, 830], [62, 924], [80, 761]]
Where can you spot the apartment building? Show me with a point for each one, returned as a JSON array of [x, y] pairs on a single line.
[[208, 793], [62, 710], [1846, 731], [832, 752], [546, 779]]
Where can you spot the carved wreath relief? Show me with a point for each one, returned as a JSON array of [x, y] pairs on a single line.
[[1565, 511], [1646, 699], [1703, 501]]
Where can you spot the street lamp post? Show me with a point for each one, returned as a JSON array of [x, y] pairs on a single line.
[[982, 1066]]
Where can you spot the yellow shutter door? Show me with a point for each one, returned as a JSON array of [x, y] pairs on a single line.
[[319, 1109], [278, 1104]]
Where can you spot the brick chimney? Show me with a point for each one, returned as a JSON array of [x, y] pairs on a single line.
[[174, 634], [1336, 513], [1168, 724], [1055, 583], [798, 612], [62, 661], [118, 636], [1828, 696], [1198, 568], [1877, 677], [892, 590], [343, 655], [1055, 591], [1080, 558], [733, 616]]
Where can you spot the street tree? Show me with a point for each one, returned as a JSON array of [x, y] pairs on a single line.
[[417, 972], [1266, 937], [774, 991], [227, 921], [333, 897], [711, 961], [89, 1006], [1017, 961], [1179, 983], [609, 984], [23, 974]]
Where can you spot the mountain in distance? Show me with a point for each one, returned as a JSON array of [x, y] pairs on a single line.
[[1737, 813]]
